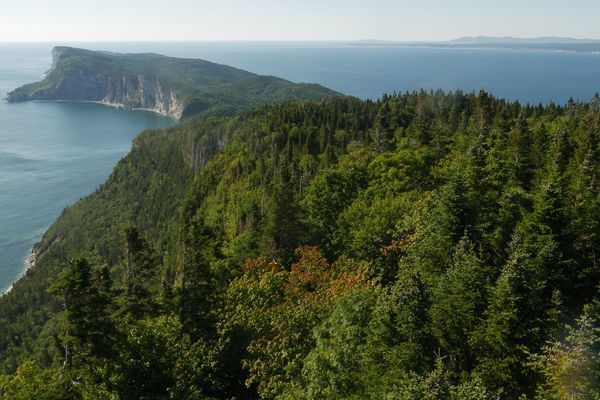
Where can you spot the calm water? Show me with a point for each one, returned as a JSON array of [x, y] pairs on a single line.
[[51, 154], [368, 72]]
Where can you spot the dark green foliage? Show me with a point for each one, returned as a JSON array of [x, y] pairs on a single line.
[[329, 193], [88, 327], [424, 246], [458, 304], [197, 286], [140, 274], [148, 358]]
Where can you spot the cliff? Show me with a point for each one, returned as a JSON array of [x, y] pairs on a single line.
[[73, 77], [171, 86], [120, 91]]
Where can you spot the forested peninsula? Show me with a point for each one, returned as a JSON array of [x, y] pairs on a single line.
[[426, 245], [170, 86]]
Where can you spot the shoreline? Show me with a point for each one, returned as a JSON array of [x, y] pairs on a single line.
[[445, 46], [31, 258], [117, 106], [28, 263]]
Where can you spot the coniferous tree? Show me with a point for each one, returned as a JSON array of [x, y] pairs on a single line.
[[197, 292], [458, 302], [141, 264], [88, 328]]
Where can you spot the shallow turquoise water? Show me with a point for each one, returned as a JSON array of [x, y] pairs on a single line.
[[51, 154]]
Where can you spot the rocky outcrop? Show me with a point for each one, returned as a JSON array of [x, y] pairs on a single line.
[[140, 92], [134, 92], [57, 54]]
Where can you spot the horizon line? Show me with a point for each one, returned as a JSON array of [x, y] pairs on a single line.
[[400, 41]]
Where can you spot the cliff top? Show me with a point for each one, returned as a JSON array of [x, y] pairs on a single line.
[[201, 86]]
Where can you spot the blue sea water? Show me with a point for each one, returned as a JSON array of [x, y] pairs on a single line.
[[52, 153]]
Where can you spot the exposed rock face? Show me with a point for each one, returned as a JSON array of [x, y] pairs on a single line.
[[57, 53], [121, 91], [140, 92], [82, 84]]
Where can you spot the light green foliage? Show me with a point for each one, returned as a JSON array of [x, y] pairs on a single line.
[[32, 382], [571, 366], [334, 368]]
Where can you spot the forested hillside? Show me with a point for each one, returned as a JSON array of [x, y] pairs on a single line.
[[424, 246]]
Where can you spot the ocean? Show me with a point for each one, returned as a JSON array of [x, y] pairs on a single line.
[[53, 153]]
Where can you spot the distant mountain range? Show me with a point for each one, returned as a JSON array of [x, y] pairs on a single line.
[[485, 40], [550, 43], [518, 40]]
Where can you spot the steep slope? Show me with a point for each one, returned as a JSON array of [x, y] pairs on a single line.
[[147, 186], [145, 189], [171, 86], [426, 245]]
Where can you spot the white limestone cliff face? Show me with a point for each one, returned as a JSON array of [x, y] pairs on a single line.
[[141, 92], [132, 92], [57, 53]]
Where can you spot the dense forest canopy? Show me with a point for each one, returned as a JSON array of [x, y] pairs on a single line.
[[422, 246]]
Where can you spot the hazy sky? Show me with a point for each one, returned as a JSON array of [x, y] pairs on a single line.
[[130, 20]]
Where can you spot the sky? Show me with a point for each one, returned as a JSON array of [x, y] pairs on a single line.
[[302, 20]]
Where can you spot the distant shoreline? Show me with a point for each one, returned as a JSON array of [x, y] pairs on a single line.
[[104, 103], [122, 107], [482, 46], [28, 263]]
